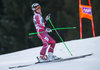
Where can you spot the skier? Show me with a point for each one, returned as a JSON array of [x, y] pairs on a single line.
[[44, 36]]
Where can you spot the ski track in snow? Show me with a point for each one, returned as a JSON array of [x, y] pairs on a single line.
[[77, 47]]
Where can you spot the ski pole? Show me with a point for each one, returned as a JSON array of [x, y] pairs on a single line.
[[60, 36], [34, 33], [53, 29], [64, 28]]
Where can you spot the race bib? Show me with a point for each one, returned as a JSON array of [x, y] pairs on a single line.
[[46, 38]]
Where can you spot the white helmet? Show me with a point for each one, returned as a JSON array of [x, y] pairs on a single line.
[[35, 6]]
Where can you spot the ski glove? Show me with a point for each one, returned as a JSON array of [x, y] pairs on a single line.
[[48, 30], [47, 17]]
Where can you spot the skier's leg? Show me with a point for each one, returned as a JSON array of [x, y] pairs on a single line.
[[43, 57], [43, 50], [51, 49], [48, 40], [44, 39], [52, 46]]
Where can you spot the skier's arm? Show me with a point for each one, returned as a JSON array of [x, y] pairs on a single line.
[[40, 25], [38, 21]]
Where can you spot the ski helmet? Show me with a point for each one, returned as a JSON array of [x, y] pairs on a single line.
[[35, 6]]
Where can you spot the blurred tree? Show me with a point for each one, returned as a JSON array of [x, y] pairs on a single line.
[[16, 22]]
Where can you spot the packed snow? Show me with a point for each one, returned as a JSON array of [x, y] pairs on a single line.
[[77, 48]]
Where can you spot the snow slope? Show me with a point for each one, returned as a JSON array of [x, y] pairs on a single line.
[[77, 47]]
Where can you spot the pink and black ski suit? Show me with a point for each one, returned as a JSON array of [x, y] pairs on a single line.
[[44, 36]]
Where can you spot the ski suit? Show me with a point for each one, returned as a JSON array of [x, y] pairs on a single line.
[[44, 36]]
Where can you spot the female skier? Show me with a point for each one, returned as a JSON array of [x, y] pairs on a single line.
[[44, 36]]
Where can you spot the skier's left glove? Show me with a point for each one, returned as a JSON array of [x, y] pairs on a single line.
[[47, 17], [48, 30]]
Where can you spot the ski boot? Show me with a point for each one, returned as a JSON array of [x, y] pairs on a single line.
[[52, 57], [42, 58]]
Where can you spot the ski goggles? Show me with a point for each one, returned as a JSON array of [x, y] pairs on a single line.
[[38, 7]]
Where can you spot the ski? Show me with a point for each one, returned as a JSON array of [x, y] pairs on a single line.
[[58, 60], [20, 66], [66, 59]]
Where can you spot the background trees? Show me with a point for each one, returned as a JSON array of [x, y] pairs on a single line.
[[16, 22]]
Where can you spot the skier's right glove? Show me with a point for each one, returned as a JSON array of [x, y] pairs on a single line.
[[48, 30], [47, 17]]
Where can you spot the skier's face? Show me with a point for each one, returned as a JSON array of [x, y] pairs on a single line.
[[38, 10]]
